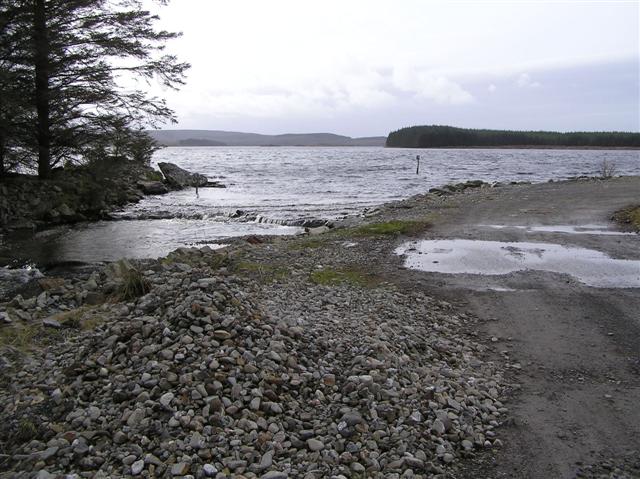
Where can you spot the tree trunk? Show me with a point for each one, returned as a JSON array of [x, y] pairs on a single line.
[[2, 169], [41, 57], [2, 141], [3, 126]]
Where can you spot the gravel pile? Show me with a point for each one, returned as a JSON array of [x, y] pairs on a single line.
[[210, 374]]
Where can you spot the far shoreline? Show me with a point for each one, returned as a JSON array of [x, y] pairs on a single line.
[[517, 147]]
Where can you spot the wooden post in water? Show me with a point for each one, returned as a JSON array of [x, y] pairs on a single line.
[[417, 164]]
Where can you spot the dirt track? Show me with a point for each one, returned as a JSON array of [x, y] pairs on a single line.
[[575, 350]]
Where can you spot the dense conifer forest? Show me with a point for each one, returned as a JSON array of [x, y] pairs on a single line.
[[435, 136]]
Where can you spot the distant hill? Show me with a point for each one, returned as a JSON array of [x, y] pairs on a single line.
[[436, 136], [233, 138], [200, 142]]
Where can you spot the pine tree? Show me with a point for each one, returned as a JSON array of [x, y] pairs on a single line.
[[15, 79], [77, 55]]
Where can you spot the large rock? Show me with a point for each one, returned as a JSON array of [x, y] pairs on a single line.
[[179, 178], [152, 187]]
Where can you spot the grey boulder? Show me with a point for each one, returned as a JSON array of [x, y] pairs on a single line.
[[180, 178]]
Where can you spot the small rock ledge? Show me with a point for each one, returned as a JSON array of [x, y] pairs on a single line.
[[179, 178], [73, 194]]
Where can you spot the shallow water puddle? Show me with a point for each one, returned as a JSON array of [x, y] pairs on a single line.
[[569, 229], [113, 240], [459, 256]]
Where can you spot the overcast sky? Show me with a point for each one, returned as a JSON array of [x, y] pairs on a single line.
[[366, 67]]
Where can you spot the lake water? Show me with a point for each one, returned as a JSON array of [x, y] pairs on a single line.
[[279, 186], [289, 183]]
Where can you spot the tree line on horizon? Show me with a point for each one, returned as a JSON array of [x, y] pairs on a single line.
[[437, 136], [73, 78]]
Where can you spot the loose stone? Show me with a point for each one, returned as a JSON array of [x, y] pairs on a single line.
[[315, 445]]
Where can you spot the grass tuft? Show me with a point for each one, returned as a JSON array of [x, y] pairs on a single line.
[[27, 337], [19, 337], [134, 285], [26, 431], [85, 318], [607, 169], [629, 217]]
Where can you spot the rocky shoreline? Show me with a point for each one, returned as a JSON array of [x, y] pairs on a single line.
[[274, 358], [86, 193], [71, 195]]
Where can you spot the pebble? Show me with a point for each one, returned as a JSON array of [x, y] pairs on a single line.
[[267, 460], [438, 427], [209, 470], [179, 469], [42, 474], [166, 399], [137, 467], [136, 417], [51, 323], [315, 445], [274, 475]]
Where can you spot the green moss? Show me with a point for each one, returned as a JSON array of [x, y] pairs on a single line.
[[333, 277], [629, 217], [389, 228]]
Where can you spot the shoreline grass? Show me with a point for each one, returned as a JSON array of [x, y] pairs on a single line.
[[335, 277], [389, 228], [629, 217]]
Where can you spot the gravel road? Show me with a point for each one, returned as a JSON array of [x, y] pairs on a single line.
[[576, 348]]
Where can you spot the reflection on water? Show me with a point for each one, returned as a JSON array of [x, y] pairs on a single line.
[[112, 240], [458, 256], [598, 230]]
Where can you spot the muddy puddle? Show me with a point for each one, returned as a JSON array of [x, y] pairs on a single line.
[[460, 256], [591, 229]]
